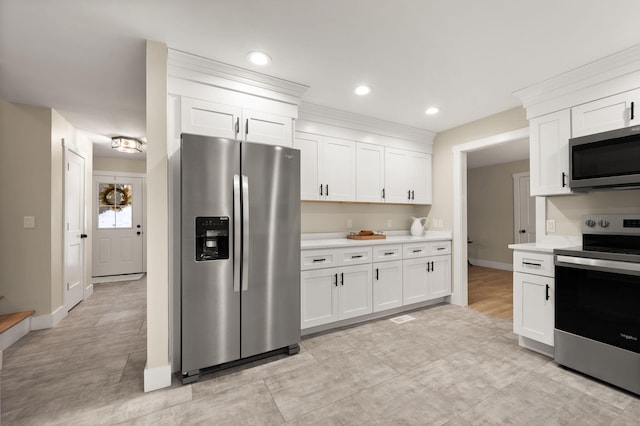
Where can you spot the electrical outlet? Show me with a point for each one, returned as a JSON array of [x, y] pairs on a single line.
[[29, 222], [551, 225], [388, 223], [349, 223]]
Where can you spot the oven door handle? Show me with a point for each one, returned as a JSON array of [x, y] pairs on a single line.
[[613, 266]]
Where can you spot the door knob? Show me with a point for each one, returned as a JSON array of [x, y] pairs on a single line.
[[138, 233], [522, 231], [83, 235]]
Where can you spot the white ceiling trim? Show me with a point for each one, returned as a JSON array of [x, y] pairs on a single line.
[[612, 74], [339, 118]]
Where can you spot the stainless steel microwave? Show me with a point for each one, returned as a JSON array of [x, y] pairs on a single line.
[[608, 160]]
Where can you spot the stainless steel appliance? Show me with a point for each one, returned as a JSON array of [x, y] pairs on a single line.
[[240, 251], [608, 160], [597, 308]]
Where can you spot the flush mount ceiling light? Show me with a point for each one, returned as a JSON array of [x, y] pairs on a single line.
[[126, 144], [259, 58], [363, 90], [432, 110]]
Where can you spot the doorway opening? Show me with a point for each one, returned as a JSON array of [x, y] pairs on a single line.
[[479, 244]]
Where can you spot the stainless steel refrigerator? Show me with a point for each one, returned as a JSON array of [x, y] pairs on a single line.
[[240, 251]]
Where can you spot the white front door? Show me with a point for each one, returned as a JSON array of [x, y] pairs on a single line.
[[524, 209], [117, 241], [74, 208]]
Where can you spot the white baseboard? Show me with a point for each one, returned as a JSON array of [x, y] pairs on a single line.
[[42, 322], [15, 333], [157, 377], [492, 264], [88, 291]]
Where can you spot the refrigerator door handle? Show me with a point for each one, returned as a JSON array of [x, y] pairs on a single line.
[[245, 233], [237, 231]]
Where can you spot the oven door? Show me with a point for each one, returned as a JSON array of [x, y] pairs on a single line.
[[599, 300]]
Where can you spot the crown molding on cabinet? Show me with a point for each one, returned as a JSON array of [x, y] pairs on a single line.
[[369, 125], [195, 68], [612, 74]]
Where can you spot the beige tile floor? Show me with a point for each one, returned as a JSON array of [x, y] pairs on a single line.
[[450, 366]]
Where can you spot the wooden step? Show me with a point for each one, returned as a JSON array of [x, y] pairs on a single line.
[[9, 320]]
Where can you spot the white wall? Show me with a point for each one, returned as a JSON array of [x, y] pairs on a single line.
[[120, 165]]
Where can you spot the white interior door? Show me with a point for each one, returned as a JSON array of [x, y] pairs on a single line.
[[74, 255], [524, 209], [117, 241]]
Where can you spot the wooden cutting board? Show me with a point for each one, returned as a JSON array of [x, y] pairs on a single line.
[[366, 237]]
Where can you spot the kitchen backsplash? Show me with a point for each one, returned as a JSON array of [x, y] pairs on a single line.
[[335, 217], [567, 210]]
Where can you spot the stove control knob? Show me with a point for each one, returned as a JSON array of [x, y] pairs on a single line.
[[604, 223], [590, 223]]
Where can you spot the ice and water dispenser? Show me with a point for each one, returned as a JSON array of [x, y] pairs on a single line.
[[212, 238]]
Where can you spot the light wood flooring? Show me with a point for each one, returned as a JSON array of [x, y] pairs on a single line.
[[491, 291]]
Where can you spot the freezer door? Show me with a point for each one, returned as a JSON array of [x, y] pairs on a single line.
[[271, 293], [210, 311]]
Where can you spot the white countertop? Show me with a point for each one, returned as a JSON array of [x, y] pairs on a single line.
[[547, 246], [337, 240]]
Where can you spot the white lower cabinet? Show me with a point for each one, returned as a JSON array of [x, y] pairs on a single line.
[[533, 310], [387, 285], [533, 296], [319, 297], [343, 283], [354, 291]]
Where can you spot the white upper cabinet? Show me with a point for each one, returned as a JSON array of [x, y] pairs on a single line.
[[310, 147], [327, 168], [549, 153], [610, 113], [407, 176], [267, 128], [338, 169], [207, 118], [420, 177], [369, 173]]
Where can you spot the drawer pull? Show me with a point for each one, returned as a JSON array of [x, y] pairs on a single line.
[[319, 260], [441, 248], [356, 256], [537, 265], [417, 251], [389, 253]]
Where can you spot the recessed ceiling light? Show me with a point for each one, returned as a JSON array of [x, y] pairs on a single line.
[[432, 110], [363, 90], [259, 58]]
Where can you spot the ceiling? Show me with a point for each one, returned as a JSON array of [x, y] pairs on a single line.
[[86, 58], [499, 154]]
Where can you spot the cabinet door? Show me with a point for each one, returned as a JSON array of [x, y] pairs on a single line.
[[310, 147], [420, 177], [209, 118], [439, 276], [319, 297], [354, 291], [396, 176], [549, 152], [369, 172], [338, 169], [610, 113], [267, 128], [414, 281], [533, 310], [387, 285]]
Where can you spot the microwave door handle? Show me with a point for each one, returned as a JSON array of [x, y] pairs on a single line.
[[237, 232], [245, 233]]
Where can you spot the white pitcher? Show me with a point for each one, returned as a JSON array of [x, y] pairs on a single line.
[[417, 228]]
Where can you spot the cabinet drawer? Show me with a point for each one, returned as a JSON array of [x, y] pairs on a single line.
[[387, 253], [533, 263], [439, 247], [354, 256], [413, 250], [320, 258]]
